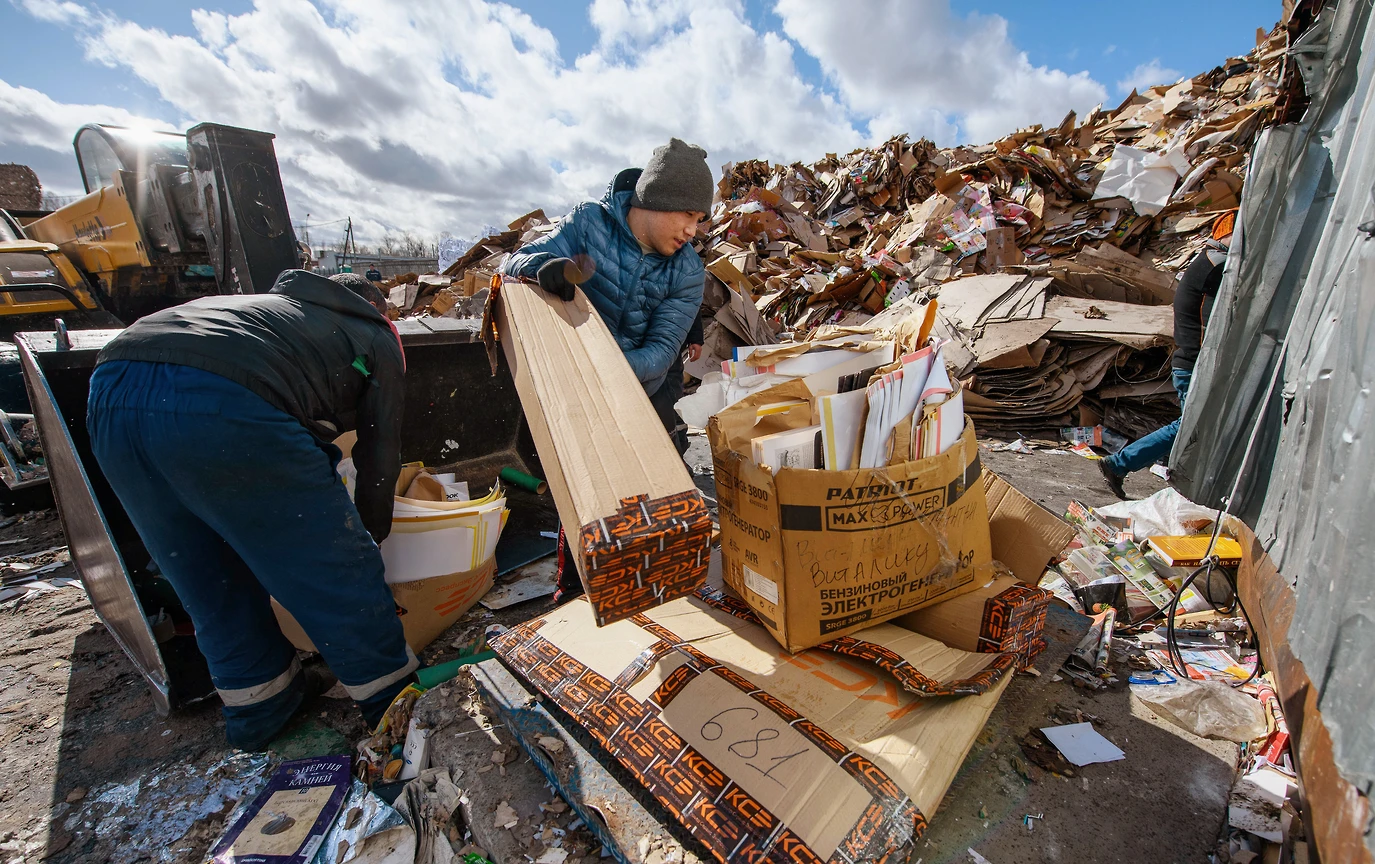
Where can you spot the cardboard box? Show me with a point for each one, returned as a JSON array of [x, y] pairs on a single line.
[[761, 755], [1001, 616], [819, 554], [426, 607], [1025, 536]]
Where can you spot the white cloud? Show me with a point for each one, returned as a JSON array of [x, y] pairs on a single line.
[[1147, 75], [451, 115], [911, 65], [54, 11]]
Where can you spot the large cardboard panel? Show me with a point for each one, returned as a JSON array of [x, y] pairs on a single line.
[[761, 754], [638, 525], [1024, 535], [819, 554]]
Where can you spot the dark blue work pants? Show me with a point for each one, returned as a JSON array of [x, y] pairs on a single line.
[[236, 500], [1145, 452]]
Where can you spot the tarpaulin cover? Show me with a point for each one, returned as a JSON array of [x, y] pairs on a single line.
[[1298, 293]]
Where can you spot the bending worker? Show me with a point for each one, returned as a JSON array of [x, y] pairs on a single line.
[[212, 422], [646, 281], [1193, 304]]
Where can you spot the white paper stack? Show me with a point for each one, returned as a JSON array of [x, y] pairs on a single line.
[[795, 448], [440, 538]]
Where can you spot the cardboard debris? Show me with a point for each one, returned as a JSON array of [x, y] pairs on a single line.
[[846, 759], [637, 524], [1106, 208]]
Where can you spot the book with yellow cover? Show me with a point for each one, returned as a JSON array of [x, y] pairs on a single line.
[[1190, 551]]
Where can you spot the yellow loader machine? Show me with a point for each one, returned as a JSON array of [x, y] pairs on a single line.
[[167, 218]]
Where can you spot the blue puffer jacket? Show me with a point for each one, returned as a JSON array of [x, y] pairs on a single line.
[[648, 301]]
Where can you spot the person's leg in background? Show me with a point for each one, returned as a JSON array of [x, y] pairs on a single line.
[[663, 401], [253, 666], [568, 584], [1145, 452]]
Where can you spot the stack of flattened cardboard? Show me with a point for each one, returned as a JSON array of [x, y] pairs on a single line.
[[839, 753], [637, 525], [1032, 362]]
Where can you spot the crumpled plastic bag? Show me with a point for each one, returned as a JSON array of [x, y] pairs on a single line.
[[1208, 709], [1166, 512], [1144, 178]]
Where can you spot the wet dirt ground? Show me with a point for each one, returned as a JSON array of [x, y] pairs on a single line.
[[92, 773]]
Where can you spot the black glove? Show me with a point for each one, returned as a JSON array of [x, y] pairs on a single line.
[[553, 277]]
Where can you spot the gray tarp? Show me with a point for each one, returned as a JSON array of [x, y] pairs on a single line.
[[1300, 292]]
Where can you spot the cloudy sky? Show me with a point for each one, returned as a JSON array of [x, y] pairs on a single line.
[[448, 115]]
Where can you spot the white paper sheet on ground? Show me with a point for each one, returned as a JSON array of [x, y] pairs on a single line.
[[842, 418], [1146, 179], [1082, 745]]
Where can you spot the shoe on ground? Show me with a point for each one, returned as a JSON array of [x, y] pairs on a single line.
[[1114, 482]]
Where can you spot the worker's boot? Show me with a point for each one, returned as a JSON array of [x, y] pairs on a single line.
[[256, 727], [1114, 482]]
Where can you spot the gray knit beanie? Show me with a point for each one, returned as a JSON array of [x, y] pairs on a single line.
[[676, 178]]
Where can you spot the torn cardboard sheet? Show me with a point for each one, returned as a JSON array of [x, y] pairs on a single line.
[[755, 752], [640, 526]]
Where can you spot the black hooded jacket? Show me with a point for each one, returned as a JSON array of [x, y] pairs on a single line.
[[299, 347]]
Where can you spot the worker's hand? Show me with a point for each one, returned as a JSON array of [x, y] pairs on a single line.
[[559, 277], [694, 353]]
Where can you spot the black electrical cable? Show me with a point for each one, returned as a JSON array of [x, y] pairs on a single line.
[[1176, 656]]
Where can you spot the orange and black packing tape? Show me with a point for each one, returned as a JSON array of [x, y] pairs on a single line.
[[645, 554]]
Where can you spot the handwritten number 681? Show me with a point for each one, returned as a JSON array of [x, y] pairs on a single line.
[[748, 748]]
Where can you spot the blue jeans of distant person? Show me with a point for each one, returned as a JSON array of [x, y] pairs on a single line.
[[1145, 452], [237, 502]]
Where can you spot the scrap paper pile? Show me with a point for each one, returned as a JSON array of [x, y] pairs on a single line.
[[897, 412], [435, 536], [1100, 214], [870, 406], [1128, 584]]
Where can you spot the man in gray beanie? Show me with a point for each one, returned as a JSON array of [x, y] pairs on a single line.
[[644, 280]]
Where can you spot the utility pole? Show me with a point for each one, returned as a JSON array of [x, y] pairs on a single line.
[[350, 247]]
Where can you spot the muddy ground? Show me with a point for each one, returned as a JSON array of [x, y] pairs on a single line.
[[87, 761]]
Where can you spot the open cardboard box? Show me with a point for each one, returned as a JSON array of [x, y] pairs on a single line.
[[819, 554]]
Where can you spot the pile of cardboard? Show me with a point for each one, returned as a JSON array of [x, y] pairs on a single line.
[[19, 188], [1107, 210], [1083, 229]]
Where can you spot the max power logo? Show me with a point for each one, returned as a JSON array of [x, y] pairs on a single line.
[[865, 508]]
